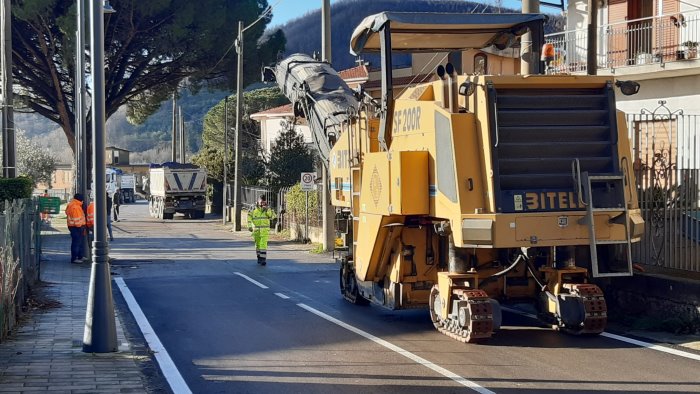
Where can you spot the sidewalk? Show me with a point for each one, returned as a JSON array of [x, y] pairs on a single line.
[[45, 353]]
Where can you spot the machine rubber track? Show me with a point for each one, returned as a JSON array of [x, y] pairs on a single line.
[[477, 324], [595, 307]]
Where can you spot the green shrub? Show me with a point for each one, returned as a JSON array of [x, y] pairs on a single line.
[[317, 248], [296, 202], [14, 188]]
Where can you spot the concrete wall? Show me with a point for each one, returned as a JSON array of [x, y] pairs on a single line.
[[678, 92], [296, 232], [670, 300]]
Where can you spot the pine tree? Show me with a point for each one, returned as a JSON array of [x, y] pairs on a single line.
[[289, 157]]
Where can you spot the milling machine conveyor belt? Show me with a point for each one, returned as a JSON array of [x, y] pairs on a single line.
[[315, 88]]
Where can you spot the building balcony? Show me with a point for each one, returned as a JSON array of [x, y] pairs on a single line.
[[640, 47]]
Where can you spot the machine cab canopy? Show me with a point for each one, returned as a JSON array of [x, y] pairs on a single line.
[[414, 32]]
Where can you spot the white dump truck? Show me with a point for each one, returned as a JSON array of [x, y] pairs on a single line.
[[177, 188], [128, 188]]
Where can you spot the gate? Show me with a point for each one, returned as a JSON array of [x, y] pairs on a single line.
[[666, 151]]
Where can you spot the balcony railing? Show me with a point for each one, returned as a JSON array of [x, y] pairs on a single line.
[[659, 39]]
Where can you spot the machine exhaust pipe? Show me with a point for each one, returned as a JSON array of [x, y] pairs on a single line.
[[442, 74], [452, 88]]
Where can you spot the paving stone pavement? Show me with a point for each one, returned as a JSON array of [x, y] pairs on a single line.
[[45, 354]]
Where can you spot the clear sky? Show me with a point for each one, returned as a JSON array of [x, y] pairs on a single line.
[[290, 9]]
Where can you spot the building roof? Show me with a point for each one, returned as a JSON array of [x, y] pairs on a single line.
[[358, 72], [281, 111], [400, 81], [115, 148]]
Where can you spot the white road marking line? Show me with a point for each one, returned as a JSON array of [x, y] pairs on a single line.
[[251, 280], [647, 345], [170, 371], [282, 296], [652, 346], [419, 360]]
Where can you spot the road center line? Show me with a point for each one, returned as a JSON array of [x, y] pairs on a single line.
[[419, 360], [621, 338], [282, 296], [251, 280], [170, 371]]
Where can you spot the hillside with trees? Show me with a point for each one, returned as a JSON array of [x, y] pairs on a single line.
[[151, 50], [149, 141], [304, 34]]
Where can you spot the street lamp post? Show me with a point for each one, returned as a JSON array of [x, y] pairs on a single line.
[[237, 135], [9, 164], [81, 178], [327, 210], [100, 334], [224, 191]]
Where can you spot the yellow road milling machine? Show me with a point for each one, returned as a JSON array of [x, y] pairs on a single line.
[[461, 192]]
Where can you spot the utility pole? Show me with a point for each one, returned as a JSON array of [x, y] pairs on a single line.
[[237, 139], [592, 54], [9, 151], [183, 159], [224, 191], [81, 156], [173, 144], [100, 334], [327, 214], [529, 56], [239, 118]]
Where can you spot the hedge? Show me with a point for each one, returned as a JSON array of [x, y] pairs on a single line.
[[15, 188], [296, 202]]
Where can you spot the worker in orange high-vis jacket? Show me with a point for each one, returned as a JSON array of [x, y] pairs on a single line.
[[75, 218], [91, 220]]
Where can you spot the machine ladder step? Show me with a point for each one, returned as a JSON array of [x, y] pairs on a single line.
[[608, 191]]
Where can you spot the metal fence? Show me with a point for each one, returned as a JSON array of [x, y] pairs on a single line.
[[289, 218], [250, 195], [666, 148], [20, 256], [658, 39]]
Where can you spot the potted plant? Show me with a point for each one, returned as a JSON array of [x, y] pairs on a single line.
[[691, 51]]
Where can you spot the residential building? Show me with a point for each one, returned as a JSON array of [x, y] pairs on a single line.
[[117, 156], [274, 121], [655, 43]]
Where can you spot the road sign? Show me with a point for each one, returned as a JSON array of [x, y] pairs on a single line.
[[307, 181]]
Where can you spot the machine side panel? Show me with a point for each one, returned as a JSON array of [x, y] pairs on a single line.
[[375, 197], [340, 173], [409, 183], [376, 233]]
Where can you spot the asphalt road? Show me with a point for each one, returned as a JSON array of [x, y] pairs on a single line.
[[231, 326]]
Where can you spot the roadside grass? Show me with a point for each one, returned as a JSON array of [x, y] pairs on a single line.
[[317, 248]]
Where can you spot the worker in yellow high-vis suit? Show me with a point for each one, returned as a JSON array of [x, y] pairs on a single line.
[[259, 221]]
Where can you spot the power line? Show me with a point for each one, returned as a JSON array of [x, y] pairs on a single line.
[[265, 13]]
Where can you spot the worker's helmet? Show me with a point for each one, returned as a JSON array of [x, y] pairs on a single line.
[[262, 201], [78, 196]]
